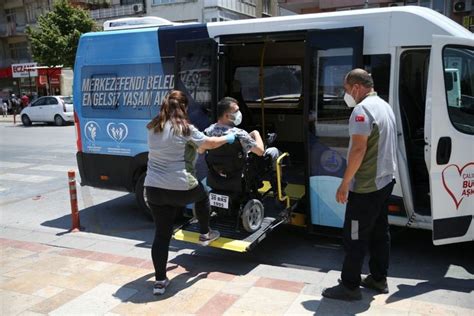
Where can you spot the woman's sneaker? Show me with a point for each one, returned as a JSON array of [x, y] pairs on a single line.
[[160, 286], [206, 239]]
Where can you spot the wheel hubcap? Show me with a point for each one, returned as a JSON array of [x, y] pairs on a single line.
[[254, 216]]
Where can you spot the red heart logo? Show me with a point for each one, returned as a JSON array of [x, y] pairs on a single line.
[[453, 181]]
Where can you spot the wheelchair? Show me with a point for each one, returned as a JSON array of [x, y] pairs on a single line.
[[235, 180]]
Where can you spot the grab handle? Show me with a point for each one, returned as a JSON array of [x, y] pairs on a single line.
[[443, 152]]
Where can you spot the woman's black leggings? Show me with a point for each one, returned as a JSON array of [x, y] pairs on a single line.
[[165, 206]]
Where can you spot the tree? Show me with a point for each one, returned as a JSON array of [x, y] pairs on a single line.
[[55, 40]]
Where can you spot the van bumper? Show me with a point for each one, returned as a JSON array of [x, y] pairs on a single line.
[[106, 171]]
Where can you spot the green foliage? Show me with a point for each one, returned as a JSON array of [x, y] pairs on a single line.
[[55, 40]]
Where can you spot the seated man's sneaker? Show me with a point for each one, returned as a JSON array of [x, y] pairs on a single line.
[[340, 292], [159, 287], [379, 286]]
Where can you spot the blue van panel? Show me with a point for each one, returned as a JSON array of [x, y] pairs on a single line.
[[119, 86], [325, 211], [119, 47], [120, 80]]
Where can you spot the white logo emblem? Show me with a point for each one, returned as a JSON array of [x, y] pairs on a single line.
[[91, 128], [117, 131]]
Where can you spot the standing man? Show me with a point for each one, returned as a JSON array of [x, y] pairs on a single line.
[[366, 187]]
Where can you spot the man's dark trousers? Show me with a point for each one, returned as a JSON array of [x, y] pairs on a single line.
[[366, 228]]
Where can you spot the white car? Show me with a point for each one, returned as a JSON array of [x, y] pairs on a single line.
[[58, 109]]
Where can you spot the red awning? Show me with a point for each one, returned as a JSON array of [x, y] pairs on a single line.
[[6, 72]]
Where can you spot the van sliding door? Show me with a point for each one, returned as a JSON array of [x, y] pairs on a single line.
[[196, 75], [330, 55]]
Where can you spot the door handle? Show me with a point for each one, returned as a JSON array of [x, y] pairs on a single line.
[[443, 152]]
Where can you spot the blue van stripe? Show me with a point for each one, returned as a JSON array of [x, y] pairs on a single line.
[[168, 35]]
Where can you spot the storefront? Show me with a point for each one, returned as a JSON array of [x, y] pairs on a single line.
[[30, 79]]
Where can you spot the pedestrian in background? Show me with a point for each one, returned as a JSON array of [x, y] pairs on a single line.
[[4, 108], [171, 181], [366, 187], [16, 106], [25, 100]]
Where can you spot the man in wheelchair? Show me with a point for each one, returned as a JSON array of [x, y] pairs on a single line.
[[236, 170]]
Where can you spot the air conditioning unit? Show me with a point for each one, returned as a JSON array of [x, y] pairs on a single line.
[[396, 4], [462, 6], [138, 7]]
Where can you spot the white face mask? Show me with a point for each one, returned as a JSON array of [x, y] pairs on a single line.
[[236, 118], [349, 100]]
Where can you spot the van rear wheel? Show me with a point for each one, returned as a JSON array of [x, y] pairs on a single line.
[[140, 195]]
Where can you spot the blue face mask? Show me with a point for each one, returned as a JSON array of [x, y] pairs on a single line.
[[236, 118]]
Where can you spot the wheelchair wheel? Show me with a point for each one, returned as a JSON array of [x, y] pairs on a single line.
[[252, 215]]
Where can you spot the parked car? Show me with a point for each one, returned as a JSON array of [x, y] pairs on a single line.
[[58, 109]]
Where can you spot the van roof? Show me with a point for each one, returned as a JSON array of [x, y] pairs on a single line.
[[383, 27], [331, 19]]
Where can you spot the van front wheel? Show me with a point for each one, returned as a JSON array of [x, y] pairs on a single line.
[[140, 195]]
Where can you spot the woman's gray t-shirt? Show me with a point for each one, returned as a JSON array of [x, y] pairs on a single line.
[[171, 159]]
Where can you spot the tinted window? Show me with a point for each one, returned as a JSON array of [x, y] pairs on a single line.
[[332, 70], [459, 85], [67, 100], [40, 101], [281, 83], [51, 101]]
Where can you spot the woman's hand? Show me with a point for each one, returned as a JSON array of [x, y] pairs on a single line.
[[214, 142], [230, 137]]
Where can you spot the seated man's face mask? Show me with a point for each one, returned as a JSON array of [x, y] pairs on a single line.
[[236, 118]]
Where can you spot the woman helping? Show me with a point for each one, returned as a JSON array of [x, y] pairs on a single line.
[[171, 182]]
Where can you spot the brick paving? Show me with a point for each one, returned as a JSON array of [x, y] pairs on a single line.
[[38, 279]]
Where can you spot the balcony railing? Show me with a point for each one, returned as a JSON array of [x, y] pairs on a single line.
[[234, 5], [11, 29], [117, 11]]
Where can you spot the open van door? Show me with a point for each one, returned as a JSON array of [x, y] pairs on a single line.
[[196, 75], [449, 137], [330, 55]]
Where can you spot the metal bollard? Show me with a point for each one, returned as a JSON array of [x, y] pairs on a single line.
[[76, 224]]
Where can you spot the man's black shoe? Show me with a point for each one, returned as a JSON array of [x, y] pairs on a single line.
[[379, 286], [340, 292]]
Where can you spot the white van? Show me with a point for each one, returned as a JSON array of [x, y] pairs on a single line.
[[290, 72]]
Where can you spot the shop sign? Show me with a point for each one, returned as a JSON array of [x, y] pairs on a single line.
[[24, 70], [43, 80]]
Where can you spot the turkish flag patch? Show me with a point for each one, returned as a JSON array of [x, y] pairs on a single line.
[[360, 118]]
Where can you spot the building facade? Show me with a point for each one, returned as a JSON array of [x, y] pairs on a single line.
[[211, 10], [461, 11], [15, 15]]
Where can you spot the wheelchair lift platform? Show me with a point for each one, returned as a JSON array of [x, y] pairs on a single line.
[[234, 237], [239, 241]]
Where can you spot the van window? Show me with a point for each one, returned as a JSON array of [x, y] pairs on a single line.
[[459, 85], [332, 70], [282, 83]]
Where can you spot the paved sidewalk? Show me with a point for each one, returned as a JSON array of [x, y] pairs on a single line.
[[9, 119], [39, 279]]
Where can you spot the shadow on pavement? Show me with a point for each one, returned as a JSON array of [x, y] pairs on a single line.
[[413, 255], [196, 268]]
